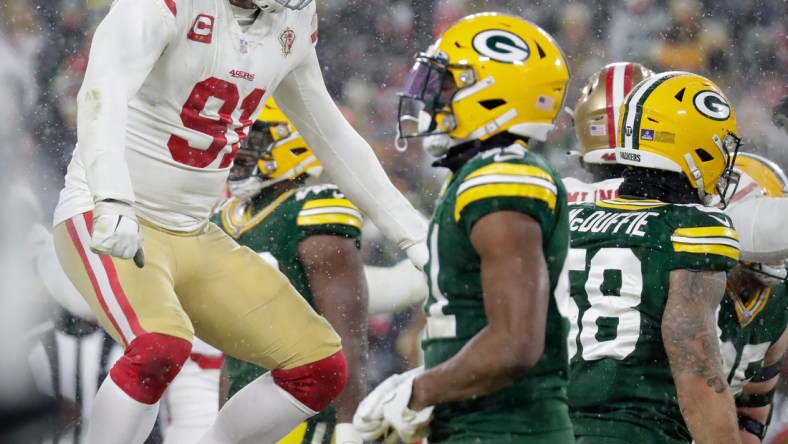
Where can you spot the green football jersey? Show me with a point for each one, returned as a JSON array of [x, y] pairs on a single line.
[[273, 228], [747, 330], [622, 252], [502, 179]]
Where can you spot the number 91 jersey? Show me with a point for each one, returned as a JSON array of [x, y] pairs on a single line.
[[196, 81], [622, 252]]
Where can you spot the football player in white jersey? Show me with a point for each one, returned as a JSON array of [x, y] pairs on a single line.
[[169, 93]]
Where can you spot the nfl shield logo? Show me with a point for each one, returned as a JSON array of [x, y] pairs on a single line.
[[244, 46], [286, 38]]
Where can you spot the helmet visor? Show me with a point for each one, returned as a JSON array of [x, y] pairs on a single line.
[[428, 90]]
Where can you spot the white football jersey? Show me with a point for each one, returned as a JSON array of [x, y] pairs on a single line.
[[581, 192], [193, 82]]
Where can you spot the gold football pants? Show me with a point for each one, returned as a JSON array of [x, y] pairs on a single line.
[[201, 283]]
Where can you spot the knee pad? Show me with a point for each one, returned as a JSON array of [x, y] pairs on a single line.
[[149, 364], [316, 384]]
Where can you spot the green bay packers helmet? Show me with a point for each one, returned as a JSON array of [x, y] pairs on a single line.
[[273, 152], [488, 73], [596, 113], [681, 122]]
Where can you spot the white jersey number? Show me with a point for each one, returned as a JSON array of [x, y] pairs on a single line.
[[751, 353], [614, 288]]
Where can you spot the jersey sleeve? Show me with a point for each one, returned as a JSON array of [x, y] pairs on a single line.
[[500, 186], [125, 47], [303, 97], [329, 215], [706, 242]]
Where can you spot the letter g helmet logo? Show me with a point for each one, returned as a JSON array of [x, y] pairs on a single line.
[[501, 46], [712, 105]]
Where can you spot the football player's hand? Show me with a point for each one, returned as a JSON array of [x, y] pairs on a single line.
[[368, 419], [418, 254], [409, 424], [345, 433], [116, 231]]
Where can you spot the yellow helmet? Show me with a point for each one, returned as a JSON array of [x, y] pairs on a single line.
[[760, 177], [488, 73], [681, 122], [597, 110], [272, 152]]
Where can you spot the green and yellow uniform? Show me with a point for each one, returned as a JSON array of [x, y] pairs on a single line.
[[273, 226], [747, 330], [533, 408], [622, 253]]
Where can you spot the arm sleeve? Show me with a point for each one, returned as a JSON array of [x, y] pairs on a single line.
[[125, 48], [348, 158], [760, 223], [393, 289]]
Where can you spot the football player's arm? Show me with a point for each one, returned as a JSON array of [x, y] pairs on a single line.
[[761, 228], [347, 157], [125, 47], [336, 277], [754, 404], [393, 289], [516, 288], [689, 334]]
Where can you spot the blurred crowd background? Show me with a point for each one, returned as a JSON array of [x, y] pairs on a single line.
[[367, 48]]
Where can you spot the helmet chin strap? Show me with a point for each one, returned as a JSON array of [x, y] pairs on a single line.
[[697, 177], [437, 145]]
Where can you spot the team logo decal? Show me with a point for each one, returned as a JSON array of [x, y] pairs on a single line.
[[286, 38], [501, 46], [712, 105]]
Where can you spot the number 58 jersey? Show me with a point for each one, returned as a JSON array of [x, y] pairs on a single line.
[[169, 94], [621, 254]]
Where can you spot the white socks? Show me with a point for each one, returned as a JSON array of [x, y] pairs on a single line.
[[118, 419], [260, 413]]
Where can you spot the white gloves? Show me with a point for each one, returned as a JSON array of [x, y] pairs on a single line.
[[116, 231], [345, 433], [418, 254], [386, 408]]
